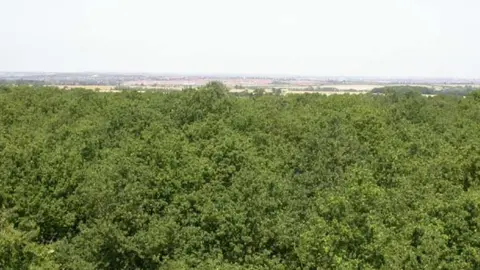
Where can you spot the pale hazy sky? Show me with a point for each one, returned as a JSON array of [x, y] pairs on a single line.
[[300, 37]]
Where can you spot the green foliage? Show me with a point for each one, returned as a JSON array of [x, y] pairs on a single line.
[[460, 91], [208, 180], [405, 89]]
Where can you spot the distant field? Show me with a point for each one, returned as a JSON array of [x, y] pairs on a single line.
[[359, 87], [110, 88], [100, 88], [328, 93], [327, 89]]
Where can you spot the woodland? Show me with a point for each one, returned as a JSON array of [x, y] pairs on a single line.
[[206, 179]]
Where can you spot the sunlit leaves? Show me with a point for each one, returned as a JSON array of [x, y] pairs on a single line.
[[202, 178]]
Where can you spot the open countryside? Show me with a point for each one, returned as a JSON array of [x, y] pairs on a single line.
[[239, 135], [107, 82]]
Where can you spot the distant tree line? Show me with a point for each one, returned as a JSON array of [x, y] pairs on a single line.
[[455, 91]]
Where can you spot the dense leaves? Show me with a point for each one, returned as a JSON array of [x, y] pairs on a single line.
[[203, 179]]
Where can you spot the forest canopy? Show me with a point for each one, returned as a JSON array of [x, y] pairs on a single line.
[[204, 179]]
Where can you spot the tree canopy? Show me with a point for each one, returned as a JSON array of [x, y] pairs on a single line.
[[204, 179]]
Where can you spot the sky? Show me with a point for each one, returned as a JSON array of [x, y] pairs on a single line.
[[386, 38]]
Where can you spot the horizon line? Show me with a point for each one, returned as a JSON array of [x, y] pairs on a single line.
[[239, 74]]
